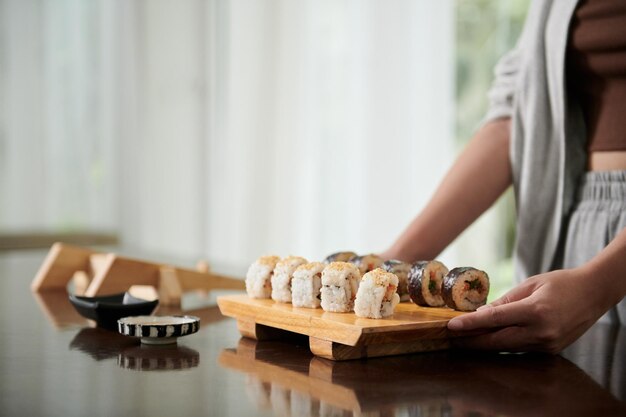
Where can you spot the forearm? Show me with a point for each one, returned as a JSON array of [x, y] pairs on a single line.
[[476, 180], [607, 271]]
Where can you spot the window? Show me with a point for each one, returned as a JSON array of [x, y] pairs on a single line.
[[485, 30]]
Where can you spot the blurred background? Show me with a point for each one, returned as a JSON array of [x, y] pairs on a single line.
[[225, 130]]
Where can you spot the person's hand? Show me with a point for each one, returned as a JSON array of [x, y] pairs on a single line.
[[545, 313]]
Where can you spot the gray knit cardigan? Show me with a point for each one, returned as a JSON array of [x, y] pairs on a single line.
[[548, 134]]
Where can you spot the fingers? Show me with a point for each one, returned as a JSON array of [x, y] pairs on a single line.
[[518, 293], [511, 314]]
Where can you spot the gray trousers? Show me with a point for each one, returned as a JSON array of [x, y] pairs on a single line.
[[598, 216]]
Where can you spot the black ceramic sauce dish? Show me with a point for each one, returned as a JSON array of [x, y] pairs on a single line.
[[107, 310]]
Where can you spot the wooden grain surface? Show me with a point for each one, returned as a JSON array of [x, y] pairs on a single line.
[[409, 322]]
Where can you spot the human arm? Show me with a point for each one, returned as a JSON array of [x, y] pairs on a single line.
[[549, 311], [476, 180]]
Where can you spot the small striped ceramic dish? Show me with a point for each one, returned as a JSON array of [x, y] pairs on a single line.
[[158, 330]]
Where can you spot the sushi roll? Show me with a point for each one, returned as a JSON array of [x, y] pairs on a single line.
[[366, 263], [465, 288], [306, 285], [281, 280], [339, 257], [401, 270], [340, 282], [425, 279], [377, 296], [258, 277]]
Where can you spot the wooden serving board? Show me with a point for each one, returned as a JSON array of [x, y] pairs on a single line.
[[342, 336]]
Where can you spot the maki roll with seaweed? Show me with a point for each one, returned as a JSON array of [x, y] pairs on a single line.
[[425, 280], [465, 288], [377, 295], [401, 270], [366, 263], [259, 275], [340, 282], [339, 257], [281, 279], [306, 285]]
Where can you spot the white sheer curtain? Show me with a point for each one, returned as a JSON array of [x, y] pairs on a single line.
[[58, 135], [337, 123], [226, 129]]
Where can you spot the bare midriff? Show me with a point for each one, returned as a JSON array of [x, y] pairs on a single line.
[[607, 161]]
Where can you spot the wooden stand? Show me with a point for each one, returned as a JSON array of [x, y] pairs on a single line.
[[343, 336], [97, 273]]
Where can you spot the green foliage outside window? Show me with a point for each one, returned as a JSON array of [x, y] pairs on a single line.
[[485, 30]]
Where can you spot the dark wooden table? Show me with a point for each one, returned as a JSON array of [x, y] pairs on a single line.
[[52, 363]]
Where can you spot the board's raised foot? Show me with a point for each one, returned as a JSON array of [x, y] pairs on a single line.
[[248, 328], [340, 352], [335, 351]]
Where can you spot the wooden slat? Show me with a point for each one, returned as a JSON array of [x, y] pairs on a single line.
[[108, 273], [59, 267], [198, 280], [118, 274], [169, 288]]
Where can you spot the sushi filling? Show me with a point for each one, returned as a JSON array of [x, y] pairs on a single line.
[[391, 289], [377, 296], [474, 292], [366, 263], [432, 287], [425, 280], [466, 289], [473, 285]]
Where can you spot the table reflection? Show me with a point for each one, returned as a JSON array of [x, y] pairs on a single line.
[[102, 344], [158, 358], [288, 379], [58, 311]]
